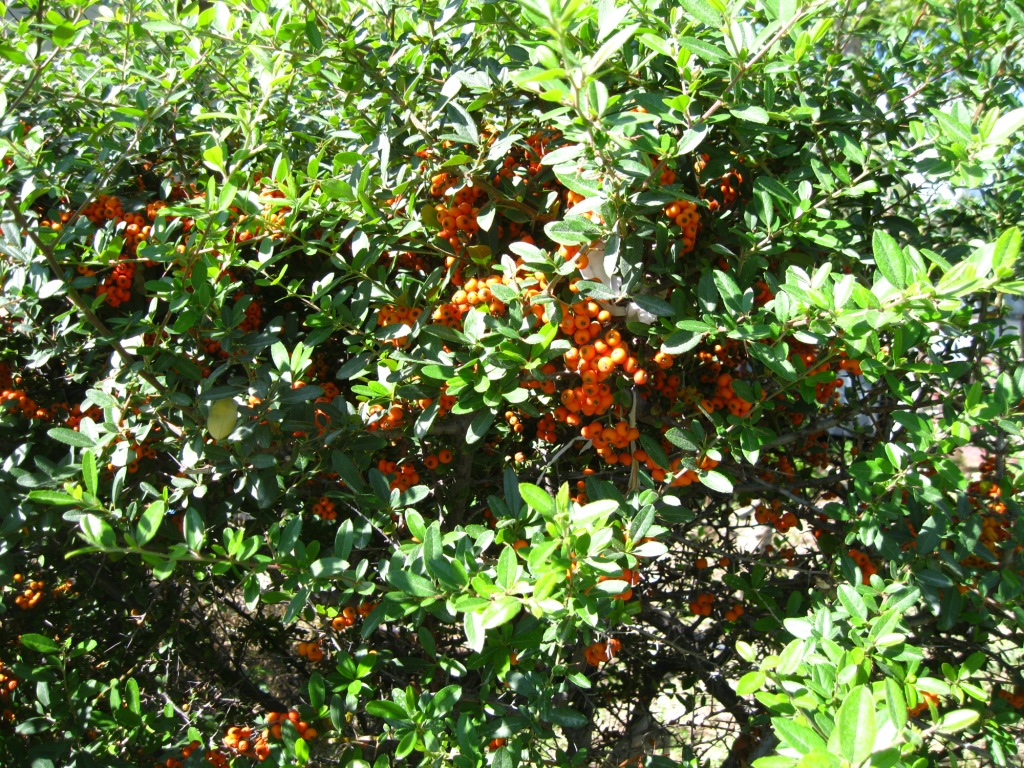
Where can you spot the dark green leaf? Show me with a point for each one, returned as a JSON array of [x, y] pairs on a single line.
[[39, 643], [71, 437]]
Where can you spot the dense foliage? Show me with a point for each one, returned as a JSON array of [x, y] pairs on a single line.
[[538, 383]]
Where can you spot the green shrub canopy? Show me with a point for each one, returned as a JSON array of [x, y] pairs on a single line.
[[511, 384]]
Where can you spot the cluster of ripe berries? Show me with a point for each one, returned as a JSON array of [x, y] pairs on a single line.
[[272, 221], [324, 509], [117, 288], [867, 568], [275, 721], [1015, 700], [458, 223], [391, 314], [769, 514], [8, 682], [310, 649], [985, 495], [727, 184], [702, 604], [734, 613], [244, 741], [433, 460], [922, 705], [630, 576], [392, 418], [683, 213], [30, 596], [135, 229], [214, 757], [401, 476], [141, 451], [348, 614], [474, 292], [824, 391], [19, 400], [597, 654], [725, 397]]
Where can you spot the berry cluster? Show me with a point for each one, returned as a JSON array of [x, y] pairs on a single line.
[[598, 653]]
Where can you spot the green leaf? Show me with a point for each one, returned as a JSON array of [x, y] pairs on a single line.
[[895, 703], [98, 532], [1006, 251], [213, 156], [716, 481], [775, 359], [609, 48], [90, 476], [657, 44], [55, 498], [507, 568], [751, 114], [728, 290], [14, 55], [702, 11], [594, 290], [792, 657], [39, 643], [595, 511], [478, 428], [957, 720], [890, 259], [567, 717], [710, 53], [387, 710], [775, 761], [819, 758], [71, 437], [131, 690], [572, 230], [750, 683], [796, 735], [654, 305], [353, 366], [317, 690], [500, 612], [855, 725], [195, 529], [692, 138], [326, 567], [64, 34], [411, 583], [681, 342], [746, 651], [680, 439], [445, 700], [503, 759], [641, 523], [149, 522], [476, 635], [775, 189], [537, 499], [1006, 126], [853, 603]]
